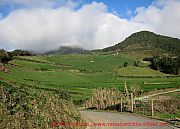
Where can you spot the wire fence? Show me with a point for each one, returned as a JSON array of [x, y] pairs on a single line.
[[113, 99]]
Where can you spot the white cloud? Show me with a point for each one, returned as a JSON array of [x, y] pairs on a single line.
[[41, 3], [161, 17], [28, 3], [91, 26], [129, 12], [72, 4]]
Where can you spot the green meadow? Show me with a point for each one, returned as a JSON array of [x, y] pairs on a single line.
[[80, 74]]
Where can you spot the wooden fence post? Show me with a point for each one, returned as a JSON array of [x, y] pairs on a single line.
[[152, 107], [132, 103], [126, 89], [143, 106], [121, 104]]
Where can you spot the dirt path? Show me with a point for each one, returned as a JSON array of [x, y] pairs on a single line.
[[160, 93], [105, 120]]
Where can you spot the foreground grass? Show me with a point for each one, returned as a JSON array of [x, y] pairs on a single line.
[[24, 107]]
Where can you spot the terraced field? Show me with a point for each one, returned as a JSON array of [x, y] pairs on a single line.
[[80, 74], [139, 71]]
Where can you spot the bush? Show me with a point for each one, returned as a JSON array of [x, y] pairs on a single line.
[[136, 63], [5, 56], [147, 59], [125, 64], [21, 53], [63, 95]]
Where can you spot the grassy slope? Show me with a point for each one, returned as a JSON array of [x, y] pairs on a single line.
[[138, 71], [145, 41], [63, 72], [23, 107], [93, 63]]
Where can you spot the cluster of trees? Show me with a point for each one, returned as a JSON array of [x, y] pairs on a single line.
[[168, 65], [19, 52], [7, 56], [136, 63]]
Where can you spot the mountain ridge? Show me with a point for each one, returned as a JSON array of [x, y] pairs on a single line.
[[146, 40], [65, 50]]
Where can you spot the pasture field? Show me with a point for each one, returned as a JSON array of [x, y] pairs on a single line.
[[80, 74], [139, 71]]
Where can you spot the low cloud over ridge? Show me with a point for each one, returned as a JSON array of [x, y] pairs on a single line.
[[91, 26]]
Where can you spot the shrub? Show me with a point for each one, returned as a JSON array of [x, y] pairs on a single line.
[[63, 95], [125, 64], [5, 56]]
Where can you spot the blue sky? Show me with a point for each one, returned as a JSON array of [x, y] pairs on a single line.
[[123, 8]]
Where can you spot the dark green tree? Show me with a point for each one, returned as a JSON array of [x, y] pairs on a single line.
[[4, 56], [125, 64]]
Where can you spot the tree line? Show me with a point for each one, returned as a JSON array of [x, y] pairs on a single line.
[[6, 56], [168, 65]]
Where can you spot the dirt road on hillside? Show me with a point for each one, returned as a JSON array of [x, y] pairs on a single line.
[[110, 120], [160, 93]]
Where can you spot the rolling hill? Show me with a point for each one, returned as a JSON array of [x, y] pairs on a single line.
[[65, 50], [147, 41]]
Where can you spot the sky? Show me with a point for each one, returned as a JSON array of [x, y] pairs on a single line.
[[42, 25]]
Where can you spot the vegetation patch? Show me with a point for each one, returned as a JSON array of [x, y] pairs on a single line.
[[138, 71], [31, 108], [104, 71]]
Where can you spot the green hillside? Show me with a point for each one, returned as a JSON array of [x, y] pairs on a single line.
[[139, 71], [147, 41], [80, 74]]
